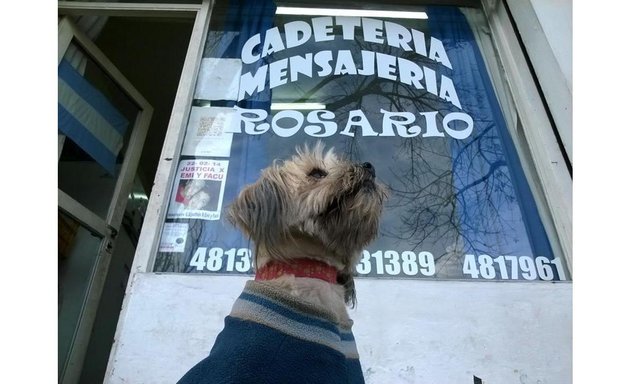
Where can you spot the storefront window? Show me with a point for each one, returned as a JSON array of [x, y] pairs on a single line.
[[410, 95]]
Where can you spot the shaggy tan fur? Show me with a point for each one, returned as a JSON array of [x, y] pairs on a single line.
[[318, 206]]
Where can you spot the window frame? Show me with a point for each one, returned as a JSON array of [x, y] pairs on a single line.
[[539, 150]]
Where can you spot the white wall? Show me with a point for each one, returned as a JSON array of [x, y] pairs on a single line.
[[556, 20], [411, 331], [545, 27]]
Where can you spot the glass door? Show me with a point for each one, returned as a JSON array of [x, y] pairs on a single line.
[[102, 125]]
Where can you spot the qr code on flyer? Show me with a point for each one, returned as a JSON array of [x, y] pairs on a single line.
[[210, 126]]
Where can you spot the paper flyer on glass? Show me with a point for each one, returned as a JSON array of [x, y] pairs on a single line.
[[218, 79], [207, 133], [174, 237], [198, 192]]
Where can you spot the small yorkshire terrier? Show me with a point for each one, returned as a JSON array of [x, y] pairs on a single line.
[[309, 218]]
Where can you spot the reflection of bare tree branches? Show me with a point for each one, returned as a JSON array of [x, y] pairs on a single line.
[[447, 195], [454, 197], [444, 191]]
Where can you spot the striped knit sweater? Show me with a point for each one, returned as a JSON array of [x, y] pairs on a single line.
[[270, 337]]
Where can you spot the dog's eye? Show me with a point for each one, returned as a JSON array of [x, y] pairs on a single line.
[[318, 173]]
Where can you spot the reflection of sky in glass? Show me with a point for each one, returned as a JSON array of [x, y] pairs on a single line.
[[447, 196]]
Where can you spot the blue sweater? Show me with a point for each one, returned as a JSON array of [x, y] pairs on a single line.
[[272, 338]]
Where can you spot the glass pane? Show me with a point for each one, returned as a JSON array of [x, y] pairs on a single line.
[[410, 95], [95, 123], [78, 250]]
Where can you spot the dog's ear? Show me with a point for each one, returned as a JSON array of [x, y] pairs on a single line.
[[345, 279], [261, 211]]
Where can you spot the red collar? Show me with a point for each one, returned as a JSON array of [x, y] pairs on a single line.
[[299, 268]]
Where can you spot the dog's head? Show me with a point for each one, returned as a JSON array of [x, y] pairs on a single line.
[[314, 205]]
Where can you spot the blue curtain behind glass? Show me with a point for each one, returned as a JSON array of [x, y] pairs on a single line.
[[477, 98]]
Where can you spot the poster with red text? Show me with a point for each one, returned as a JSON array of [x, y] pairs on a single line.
[[198, 192]]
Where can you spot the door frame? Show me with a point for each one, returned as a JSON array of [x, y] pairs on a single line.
[[106, 228], [156, 210]]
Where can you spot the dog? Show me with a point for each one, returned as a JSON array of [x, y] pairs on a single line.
[[309, 218]]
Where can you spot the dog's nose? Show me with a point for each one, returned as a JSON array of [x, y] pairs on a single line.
[[370, 168]]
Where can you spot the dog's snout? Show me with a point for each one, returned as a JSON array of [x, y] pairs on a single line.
[[370, 168]]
